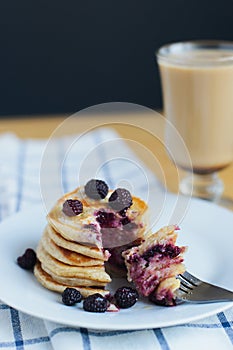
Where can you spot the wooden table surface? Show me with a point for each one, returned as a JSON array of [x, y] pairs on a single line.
[[143, 132]]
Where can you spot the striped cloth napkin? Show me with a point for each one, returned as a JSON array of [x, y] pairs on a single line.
[[35, 170]]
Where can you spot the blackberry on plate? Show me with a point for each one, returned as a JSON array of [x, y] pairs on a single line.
[[95, 303], [71, 296], [96, 189], [28, 260], [120, 200], [126, 297], [72, 207]]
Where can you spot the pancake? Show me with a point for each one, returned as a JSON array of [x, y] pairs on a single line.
[[85, 229], [156, 260], [93, 252], [46, 281], [74, 281], [67, 256], [57, 267]]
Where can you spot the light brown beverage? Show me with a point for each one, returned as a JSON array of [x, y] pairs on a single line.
[[197, 90]]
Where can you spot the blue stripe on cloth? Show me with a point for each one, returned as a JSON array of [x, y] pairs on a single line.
[[116, 333], [4, 307], [226, 325], [100, 334], [204, 325], [161, 339], [20, 168], [15, 320], [85, 339], [27, 342], [109, 333]]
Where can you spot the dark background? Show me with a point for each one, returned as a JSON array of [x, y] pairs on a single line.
[[62, 56]]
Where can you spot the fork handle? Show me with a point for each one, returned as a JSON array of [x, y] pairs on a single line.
[[209, 293], [215, 293]]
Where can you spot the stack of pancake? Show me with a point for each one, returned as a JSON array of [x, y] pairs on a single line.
[[71, 253], [63, 263]]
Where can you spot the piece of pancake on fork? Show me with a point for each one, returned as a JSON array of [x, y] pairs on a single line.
[[154, 264]]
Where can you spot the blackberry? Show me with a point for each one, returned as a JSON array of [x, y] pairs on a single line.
[[28, 260], [120, 200], [96, 189], [71, 296], [95, 303], [126, 297], [72, 207]]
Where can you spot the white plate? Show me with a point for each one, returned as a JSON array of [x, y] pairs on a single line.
[[206, 229]]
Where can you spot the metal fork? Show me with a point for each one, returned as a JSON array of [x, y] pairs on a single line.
[[194, 290]]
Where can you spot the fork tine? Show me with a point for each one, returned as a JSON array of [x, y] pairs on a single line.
[[191, 279], [184, 289], [186, 282], [193, 289], [185, 286]]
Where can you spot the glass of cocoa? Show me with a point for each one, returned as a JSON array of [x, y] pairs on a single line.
[[197, 90]]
